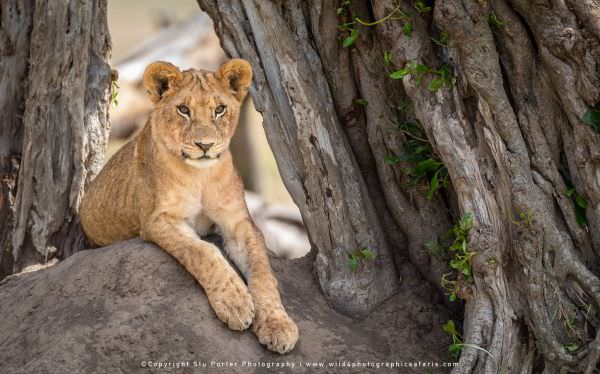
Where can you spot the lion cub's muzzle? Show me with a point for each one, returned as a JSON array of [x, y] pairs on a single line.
[[203, 150]]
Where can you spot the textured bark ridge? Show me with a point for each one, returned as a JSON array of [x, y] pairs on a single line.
[[55, 86], [106, 310], [509, 131]]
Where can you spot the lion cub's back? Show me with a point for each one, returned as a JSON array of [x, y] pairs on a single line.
[[107, 211]]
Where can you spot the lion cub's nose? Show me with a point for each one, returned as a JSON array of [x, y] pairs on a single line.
[[204, 146]]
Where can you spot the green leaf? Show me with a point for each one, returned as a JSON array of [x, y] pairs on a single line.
[[421, 7], [348, 41], [450, 328], [580, 200], [455, 348], [391, 160], [495, 21], [387, 58], [592, 118], [407, 29], [433, 186], [399, 74], [443, 40], [580, 216], [353, 263], [467, 272], [368, 254], [571, 347], [362, 102], [339, 11], [424, 166], [466, 221], [422, 149], [422, 69], [569, 192], [434, 85], [452, 296], [456, 264]]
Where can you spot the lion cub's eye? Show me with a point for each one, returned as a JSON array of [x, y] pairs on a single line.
[[183, 110], [220, 110]]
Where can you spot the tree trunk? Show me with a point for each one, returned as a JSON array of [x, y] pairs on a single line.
[[502, 104], [55, 84]]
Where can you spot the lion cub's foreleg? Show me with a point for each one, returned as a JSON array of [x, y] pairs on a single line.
[[245, 245], [226, 291]]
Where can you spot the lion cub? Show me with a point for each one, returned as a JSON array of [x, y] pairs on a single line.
[[176, 179]]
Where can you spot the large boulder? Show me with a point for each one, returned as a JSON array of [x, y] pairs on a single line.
[[117, 308]]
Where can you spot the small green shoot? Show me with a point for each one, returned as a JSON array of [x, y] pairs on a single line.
[[493, 20], [443, 40], [452, 287], [424, 165], [421, 7], [408, 28], [388, 58], [396, 13], [592, 118], [355, 257], [343, 8], [571, 347], [350, 24], [455, 348], [361, 102], [343, 11], [442, 77], [580, 204], [454, 245], [459, 250], [350, 39]]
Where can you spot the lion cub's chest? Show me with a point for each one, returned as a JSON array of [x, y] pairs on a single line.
[[192, 209], [190, 203]]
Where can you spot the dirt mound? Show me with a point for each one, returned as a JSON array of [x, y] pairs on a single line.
[[110, 309]]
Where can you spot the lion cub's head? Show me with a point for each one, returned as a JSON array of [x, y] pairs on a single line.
[[196, 111]]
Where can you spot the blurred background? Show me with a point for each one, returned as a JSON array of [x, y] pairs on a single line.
[[177, 31]]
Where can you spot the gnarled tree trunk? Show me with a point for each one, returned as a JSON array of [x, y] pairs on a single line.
[[55, 84], [508, 127]]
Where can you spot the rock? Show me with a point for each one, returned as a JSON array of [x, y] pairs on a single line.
[[108, 310]]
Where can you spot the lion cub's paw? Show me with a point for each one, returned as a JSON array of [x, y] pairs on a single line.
[[233, 304], [276, 330]]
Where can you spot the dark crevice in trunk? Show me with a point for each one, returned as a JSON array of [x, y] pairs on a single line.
[[530, 34]]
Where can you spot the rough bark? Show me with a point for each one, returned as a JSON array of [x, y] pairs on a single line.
[[55, 84], [509, 130]]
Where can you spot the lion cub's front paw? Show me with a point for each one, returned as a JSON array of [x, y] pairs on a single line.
[[233, 303], [276, 330]]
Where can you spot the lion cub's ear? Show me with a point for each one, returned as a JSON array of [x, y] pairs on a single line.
[[161, 79], [237, 75]]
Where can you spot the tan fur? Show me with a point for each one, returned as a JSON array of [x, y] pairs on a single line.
[[158, 187]]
